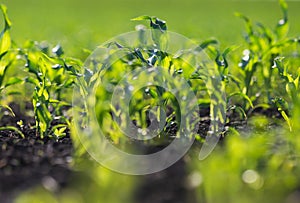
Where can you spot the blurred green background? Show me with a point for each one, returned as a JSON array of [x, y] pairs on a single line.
[[85, 24]]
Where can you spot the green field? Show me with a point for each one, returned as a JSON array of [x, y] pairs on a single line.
[[233, 90], [78, 24]]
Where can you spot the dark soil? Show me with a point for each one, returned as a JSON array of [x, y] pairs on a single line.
[[167, 186], [26, 162]]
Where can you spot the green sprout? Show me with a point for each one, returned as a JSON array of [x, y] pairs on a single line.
[[52, 78], [7, 57]]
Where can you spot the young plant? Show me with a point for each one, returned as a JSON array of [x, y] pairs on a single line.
[[7, 55], [52, 78], [264, 46], [151, 59], [291, 87]]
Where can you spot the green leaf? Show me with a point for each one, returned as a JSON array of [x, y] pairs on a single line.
[[282, 27], [240, 110], [5, 40], [284, 8], [13, 81], [43, 118], [266, 32], [229, 49], [297, 79], [32, 80], [59, 131], [13, 129], [6, 19], [153, 93], [281, 105], [14, 92], [235, 80], [248, 22], [286, 118], [3, 68], [3, 54], [262, 105], [206, 43], [9, 109], [242, 95], [143, 17], [280, 66]]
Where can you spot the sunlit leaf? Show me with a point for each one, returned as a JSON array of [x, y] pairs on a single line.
[[248, 22], [242, 95], [5, 40], [12, 128], [283, 25], [143, 17], [282, 28], [13, 81], [206, 43]]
